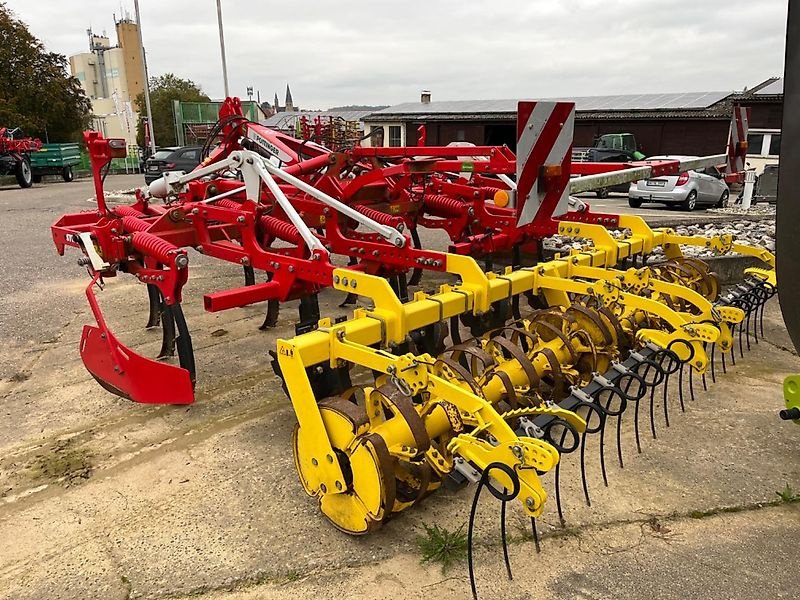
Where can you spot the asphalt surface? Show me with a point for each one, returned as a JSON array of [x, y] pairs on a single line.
[[101, 498]]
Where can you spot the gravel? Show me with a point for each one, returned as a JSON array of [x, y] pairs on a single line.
[[753, 233]]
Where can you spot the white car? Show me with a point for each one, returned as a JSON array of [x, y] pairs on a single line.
[[689, 190]]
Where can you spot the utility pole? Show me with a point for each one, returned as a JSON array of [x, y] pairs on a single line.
[[222, 48], [146, 81]]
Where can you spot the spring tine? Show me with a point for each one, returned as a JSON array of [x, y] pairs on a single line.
[[741, 350], [503, 536], [619, 440], [249, 276], [515, 312], [168, 332], [636, 429], [691, 383], [747, 329], [680, 387], [271, 318], [455, 330], [652, 412], [558, 485], [154, 302], [535, 535], [666, 404], [713, 354], [583, 470], [761, 318], [602, 450], [470, 529]]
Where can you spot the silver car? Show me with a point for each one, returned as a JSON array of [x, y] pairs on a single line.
[[689, 190]]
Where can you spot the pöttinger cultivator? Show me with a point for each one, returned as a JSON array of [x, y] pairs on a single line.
[[459, 385]]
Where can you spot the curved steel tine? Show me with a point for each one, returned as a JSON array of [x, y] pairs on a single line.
[[249, 276], [666, 404], [652, 411], [455, 330], [503, 536], [558, 485], [271, 317], [515, 312], [602, 445], [722, 354], [713, 370], [680, 387], [167, 332], [691, 382], [535, 535], [154, 306], [583, 470], [761, 318], [705, 384], [741, 350]]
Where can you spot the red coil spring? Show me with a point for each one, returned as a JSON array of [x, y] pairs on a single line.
[[225, 203], [491, 191], [132, 224], [444, 206], [128, 211], [281, 230], [152, 245], [375, 215]]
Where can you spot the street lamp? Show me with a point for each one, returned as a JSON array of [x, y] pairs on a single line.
[[222, 48], [146, 80]]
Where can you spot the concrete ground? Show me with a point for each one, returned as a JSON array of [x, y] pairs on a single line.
[[102, 498]]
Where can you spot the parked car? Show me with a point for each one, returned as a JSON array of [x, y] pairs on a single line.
[[185, 158], [689, 190]]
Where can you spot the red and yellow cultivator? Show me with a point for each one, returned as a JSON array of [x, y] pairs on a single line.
[[493, 376]]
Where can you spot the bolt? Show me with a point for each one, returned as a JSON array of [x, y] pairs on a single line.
[[314, 462], [323, 487], [529, 502], [339, 485], [181, 261], [335, 279], [195, 211], [344, 281], [240, 219], [330, 458], [353, 283], [291, 268]]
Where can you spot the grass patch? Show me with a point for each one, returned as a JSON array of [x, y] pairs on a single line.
[[787, 495], [63, 462], [443, 546]]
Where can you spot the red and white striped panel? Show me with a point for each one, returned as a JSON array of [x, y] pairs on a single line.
[[544, 137], [740, 124]]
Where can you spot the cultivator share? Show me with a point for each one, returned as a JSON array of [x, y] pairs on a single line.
[[492, 377]]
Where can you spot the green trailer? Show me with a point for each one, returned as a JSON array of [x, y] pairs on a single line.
[[55, 159]]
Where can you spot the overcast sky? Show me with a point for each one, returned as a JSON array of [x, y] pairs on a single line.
[[372, 52]]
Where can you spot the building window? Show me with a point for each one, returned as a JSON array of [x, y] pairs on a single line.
[[764, 143], [376, 136], [755, 142], [395, 136], [775, 144]]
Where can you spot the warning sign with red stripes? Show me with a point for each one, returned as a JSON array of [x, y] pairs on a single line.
[[544, 153], [737, 152]]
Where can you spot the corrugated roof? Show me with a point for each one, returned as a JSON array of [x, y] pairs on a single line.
[[287, 119], [773, 89], [629, 102]]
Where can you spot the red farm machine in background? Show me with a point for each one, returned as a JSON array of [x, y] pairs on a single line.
[[15, 155]]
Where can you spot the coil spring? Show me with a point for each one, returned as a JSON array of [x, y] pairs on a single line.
[[225, 203], [375, 215], [281, 230], [491, 191], [152, 245], [128, 211], [444, 206], [132, 223]]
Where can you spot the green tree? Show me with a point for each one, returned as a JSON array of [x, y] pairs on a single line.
[[36, 91], [163, 91]]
